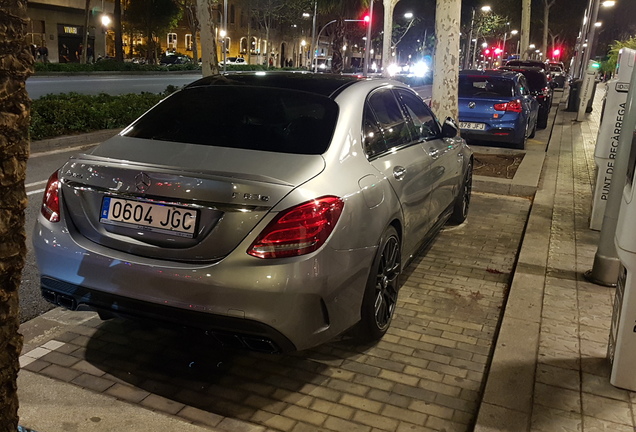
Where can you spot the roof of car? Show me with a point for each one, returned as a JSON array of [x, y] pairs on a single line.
[[536, 63], [323, 84], [522, 69], [490, 72]]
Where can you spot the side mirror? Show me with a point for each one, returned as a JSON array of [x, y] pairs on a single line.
[[449, 128]]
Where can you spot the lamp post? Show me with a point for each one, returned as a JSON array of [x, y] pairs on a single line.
[[223, 35], [327, 25], [367, 43], [312, 47], [105, 23]]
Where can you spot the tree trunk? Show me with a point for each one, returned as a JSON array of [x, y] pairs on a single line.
[[389, 6], [119, 43], [336, 45], [87, 9], [209, 62], [524, 37], [14, 151], [446, 63]]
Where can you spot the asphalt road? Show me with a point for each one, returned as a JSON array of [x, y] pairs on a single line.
[[113, 84]]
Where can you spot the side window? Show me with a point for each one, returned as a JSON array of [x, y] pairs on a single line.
[[423, 124], [390, 117], [373, 140], [524, 86]]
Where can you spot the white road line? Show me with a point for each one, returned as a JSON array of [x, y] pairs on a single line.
[[62, 150], [28, 185], [35, 191]]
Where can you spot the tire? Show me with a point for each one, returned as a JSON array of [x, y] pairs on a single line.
[[534, 128], [462, 202], [542, 121], [380, 296]]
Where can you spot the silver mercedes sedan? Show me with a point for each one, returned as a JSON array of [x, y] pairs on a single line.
[[272, 211]]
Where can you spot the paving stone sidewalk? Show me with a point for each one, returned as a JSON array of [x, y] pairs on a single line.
[[426, 374], [550, 371]]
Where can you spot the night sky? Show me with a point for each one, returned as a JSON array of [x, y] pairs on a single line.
[[566, 17]]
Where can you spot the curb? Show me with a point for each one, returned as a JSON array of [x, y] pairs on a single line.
[[45, 145]]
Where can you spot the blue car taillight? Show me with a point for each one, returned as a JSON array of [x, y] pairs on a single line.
[[512, 106]]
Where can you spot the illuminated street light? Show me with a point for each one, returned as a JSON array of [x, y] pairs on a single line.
[[470, 38]]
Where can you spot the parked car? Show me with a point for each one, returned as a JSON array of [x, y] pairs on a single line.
[[527, 63], [273, 211], [233, 61], [557, 76], [540, 88], [496, 106], [174, 59]]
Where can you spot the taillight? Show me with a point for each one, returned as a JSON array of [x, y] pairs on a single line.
[[514, 106], [298, 230], [51, 200]]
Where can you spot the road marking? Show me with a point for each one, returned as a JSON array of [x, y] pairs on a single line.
[[62, 150], [35, 191], [28, 185]]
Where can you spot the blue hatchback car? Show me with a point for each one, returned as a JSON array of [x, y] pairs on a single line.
[[496, 106]]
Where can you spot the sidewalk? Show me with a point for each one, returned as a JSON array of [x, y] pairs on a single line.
[[548, 370]]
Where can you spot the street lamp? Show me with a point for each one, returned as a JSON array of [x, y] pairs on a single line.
[[347, 20], [222, 34], [105, 22], [470, 37], [303, 43]]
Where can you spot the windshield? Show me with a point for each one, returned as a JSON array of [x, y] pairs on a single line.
[[244, 117], [485, 86]]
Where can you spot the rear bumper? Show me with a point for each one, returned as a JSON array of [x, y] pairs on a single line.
[[505, 135], [229, 331]]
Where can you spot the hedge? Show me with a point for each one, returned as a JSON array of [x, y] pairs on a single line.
[[72, 113]]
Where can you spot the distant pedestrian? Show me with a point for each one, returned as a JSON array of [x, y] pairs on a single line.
[[64, 54], [90, 54], [43, 54]]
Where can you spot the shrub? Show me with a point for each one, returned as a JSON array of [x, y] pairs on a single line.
[[67, 114]]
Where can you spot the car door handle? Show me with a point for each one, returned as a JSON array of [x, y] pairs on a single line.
[[399, 172], [433, 152]]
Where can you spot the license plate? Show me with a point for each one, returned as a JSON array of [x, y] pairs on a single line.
[[472, 126], [167, 219]]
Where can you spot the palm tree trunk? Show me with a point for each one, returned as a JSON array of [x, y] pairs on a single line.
[[338, 41], [14, 152]]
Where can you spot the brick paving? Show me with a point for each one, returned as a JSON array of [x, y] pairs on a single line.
[[427, 373]]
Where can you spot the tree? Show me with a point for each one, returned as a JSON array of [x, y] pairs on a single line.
[[205, 13], [265, 13], [153, 18], [610, 65], [444, 100], [16, 63], [547, 4], [343, 9], [189, 7]]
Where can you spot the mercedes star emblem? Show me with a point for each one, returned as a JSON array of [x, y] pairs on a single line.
[[142, 182], [471, 105]]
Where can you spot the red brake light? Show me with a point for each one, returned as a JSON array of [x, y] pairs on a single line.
[[513, 106], [298, 230], [51, 200]]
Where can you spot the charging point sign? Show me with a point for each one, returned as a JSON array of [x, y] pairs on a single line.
[[608, 135]]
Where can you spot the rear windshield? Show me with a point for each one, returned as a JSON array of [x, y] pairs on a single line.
[[242, 117], [485, 86], [536, 81]]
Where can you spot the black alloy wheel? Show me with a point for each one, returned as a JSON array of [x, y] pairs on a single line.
[[381, 294], [462, 203]]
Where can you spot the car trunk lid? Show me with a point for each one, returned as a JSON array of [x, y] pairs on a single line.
[[208, 198]]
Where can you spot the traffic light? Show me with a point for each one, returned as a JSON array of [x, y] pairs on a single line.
[[556, 53], [497, 51], [367, 19], [486, 51]]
